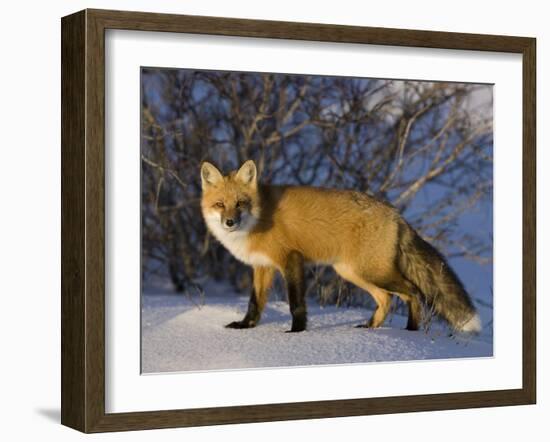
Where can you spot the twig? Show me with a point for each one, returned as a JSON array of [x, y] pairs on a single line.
[[164, 170]]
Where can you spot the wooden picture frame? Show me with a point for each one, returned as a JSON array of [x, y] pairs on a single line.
[[83, 220]]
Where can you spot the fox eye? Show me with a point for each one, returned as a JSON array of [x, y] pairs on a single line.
[[241, 203], [219, 205]]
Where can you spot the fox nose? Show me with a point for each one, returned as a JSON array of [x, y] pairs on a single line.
[[229, 222]]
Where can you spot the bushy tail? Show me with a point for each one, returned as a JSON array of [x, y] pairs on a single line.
[[426, 268]]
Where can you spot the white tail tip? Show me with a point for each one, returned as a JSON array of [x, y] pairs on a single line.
[[473, 325]]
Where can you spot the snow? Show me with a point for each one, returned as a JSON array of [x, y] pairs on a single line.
[[187, 333]]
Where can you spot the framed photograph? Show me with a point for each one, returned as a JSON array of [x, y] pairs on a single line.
[[269, 220]]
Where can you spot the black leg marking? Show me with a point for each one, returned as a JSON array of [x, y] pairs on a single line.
[[294, 276], [415, 314], [252, 315], [263, 278]]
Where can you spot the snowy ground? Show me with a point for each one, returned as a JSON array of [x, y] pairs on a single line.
[[182, 333]]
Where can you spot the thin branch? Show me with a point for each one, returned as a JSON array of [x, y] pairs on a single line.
[[164, 169]]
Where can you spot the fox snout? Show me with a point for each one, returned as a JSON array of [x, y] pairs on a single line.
[[231, 221]]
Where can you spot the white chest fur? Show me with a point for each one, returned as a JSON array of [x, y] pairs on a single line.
[[237, 242]]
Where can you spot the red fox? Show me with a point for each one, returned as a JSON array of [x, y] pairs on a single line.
[[366, 241]]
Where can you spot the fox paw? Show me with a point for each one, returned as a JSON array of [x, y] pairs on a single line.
[[299, 324], [295, 330], [240, 324]]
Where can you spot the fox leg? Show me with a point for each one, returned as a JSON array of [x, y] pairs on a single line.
[[263, 278], [380, 295], [415, 311], [293, 273], [409, 293], [383, 302], [415, 314]]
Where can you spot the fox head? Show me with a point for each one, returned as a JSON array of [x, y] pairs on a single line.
[[230, 202]]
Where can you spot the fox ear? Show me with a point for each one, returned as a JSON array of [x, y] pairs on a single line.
[[247, 173], [210, 175]]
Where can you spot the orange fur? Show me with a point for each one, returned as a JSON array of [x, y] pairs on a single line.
[[334, 227], [353, 232]]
